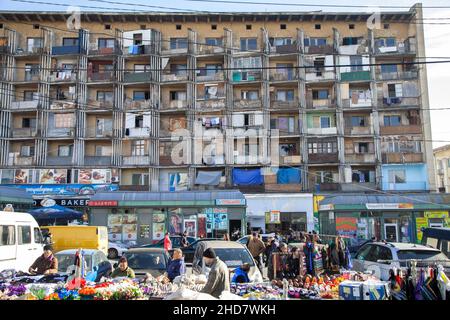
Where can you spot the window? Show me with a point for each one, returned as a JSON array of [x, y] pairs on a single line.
[[70, 42], [363, 147], [250, 95], [140, 179], [105, 96], [29, 95], [1, 25], [143, 27], [386, 42], [392, 121], [356, 63], [386, 26], [285, 95], [178, 26], [139, 121], [178, 69], [288, 149], [214, 27], [324, 177], [351, 26], [395, 90], [107, 27], [325, 122], [248, 27], [347, 41], [31, 72], [35, 26], [24, 234], [322, 147], [283, 26], [318, 27], [178, 43], [315, 42], [361, 176], [65, 150], [141, 95], [320, 94], [64, 120], [388, 68], [29, 123], [384, 253], [177, 95], [138, 147], [137, 39], [212, 69], [280, 41], [213, 41], [7, 235], [103, 151], [248, 44], [33, 43], [285, 124], [397, 176], [26, 151], [358, 121], [37, 236], [141, 68], [106, 43]]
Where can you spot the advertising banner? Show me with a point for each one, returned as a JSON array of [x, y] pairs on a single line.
[[21, 176], [346, 226], [420, 223], [190, 226], [65, 189], [158, 231]]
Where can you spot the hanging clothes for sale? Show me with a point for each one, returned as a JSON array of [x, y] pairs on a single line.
[[309, 251]]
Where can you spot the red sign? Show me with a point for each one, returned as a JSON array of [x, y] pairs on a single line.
[[103, 203]]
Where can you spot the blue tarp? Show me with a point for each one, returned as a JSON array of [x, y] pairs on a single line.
[[247, 177], [288, 175], [55, 212]]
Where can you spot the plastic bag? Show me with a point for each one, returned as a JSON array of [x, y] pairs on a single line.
[[186, 294], [227, 295]]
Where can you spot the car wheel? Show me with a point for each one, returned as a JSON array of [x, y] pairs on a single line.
[[112, 253]]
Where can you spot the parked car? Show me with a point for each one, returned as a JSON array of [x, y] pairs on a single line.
[[176, 242], [188, 252], [116, 249], [264, 238], [368, 257], [147, 260], [438, 238], [232, 253], [355, 244], [21, 241], [96, 263]]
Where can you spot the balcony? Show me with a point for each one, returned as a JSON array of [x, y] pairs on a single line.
[[325, 49], [23, 132], [399, 101], [358, 130], [280, 75], [135, 160], [280, 104], [210, 104], [65, 50], [15, 159], [399, 130], [137, 132], [316, 75], [26, 77], [98, 133], [101, 76], [360, 157], [61, 132], [290, 160], [136, 104], [322, 131], [401, 157], [18, 105], [399, 75], [357, 103], [63, 105], [59, 161], [323, 157], [283, 49], [138, 50], [170, 77], [246, 76], [174, 105], [97, 160], [218, 76], [358, 186], [62, 76], [247, 104], [95, 104], [320, 103], [356, 76], [131, 77], [208, 49], [408, 186], [94, 50], [406, 47]]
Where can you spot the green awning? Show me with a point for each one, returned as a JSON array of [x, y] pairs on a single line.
[[15, 195]]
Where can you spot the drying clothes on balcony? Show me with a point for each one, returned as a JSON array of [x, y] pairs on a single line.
[[210, 178], [391, 100], [211, 91], [247, 177], [288, 176]]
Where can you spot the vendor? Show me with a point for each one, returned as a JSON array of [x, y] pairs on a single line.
[[218, 278], [46, 263], [241, 274], [123, 270], [176, 265]]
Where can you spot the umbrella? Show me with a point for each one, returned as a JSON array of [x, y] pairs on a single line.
[[55, 212]]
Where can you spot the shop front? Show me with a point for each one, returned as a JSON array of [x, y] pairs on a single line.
[[280, 212], [144, 217], [18, 199], [395, 218]]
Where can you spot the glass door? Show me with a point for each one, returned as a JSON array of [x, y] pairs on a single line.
[[391, 232]]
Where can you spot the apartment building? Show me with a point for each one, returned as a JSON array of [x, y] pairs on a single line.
[[442, 163], [99, 105]]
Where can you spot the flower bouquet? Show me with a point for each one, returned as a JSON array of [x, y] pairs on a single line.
[[12, 291], [87, 293]]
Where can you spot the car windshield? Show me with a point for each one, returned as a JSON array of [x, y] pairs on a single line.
[[234, 257], [67, 260], [146, 260], [423, 255]]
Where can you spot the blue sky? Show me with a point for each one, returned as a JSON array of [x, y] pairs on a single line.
[[437, 36]]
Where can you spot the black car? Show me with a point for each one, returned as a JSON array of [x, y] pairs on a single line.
[[147, 260], [188, 252], [176, 242]]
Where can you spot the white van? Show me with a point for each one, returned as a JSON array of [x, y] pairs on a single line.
[[21, 241]]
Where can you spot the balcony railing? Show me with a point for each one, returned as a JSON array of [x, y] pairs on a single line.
[[408, 186], [399, 75], [357, 103], [323, 157], [399, 101], [320, 131], [167, 77], [210, 104], [401, 157], [23, 132], [59, 161], [137, 132], [168, 50], [283, 49], [218, 76], [30, 50], [26, 77], [205, 49], [95, 50], [290, 160], [98, 133], [246, 76], [139, 49], [247, 104], [97, 160], [356, 76], [101, 76], [320, 103], [280, 104], [61, 132], [62, 76], [15, 159], [325, 49], [408, 46], [135, 160], [136, 104], [395, 130], [360, 158], [317, 187], [32, 104], [358, 130], [95, 104], [174, 104], [62, 105], [313, 74], [358, 186], [63, 50], [137, 77], [280, 75]]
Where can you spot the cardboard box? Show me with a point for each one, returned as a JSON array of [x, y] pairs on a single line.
[[350, 290], [375, 290]]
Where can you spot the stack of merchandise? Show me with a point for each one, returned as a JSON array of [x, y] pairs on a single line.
[[260, 291]]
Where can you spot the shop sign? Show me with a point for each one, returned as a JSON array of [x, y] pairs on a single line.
[[326, 207], [216, 210], [420, 223], [389, 206], [436, 214], [346, 226], [273, 217], [65, 189], [230, 202], [102, 203], [48, 202]]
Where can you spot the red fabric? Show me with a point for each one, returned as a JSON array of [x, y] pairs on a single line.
[[167, 243]]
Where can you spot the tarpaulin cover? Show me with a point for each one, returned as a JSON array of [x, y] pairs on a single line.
[[211, 178], [288, 175], [247, 177]]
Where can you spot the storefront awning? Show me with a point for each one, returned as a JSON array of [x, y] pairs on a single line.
[[375, 202], [15, 195]]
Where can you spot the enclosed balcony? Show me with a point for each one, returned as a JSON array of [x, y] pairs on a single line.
[[170, 124], [359, 151], [390, 46], [175, 46], [105, 76], [289, 152], [286, 124], [398, 101], [358, 124], [287, 73], [130, 104], [132, 77], [322, 150], [210, 75], [356, 97], [402, 157], [15, 159], [30, 104]]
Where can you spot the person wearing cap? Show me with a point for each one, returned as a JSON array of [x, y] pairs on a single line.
[[219, 277], [47, 263], [123, 270]]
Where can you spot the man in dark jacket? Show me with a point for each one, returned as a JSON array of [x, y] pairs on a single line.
[[241, 274], [176, 265], [46, 263], [219, 277], [184, 240]]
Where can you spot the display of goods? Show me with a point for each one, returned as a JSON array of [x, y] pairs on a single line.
[[13, 289], [261, 291]]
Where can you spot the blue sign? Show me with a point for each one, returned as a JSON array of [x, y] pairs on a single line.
[[65, 189]]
